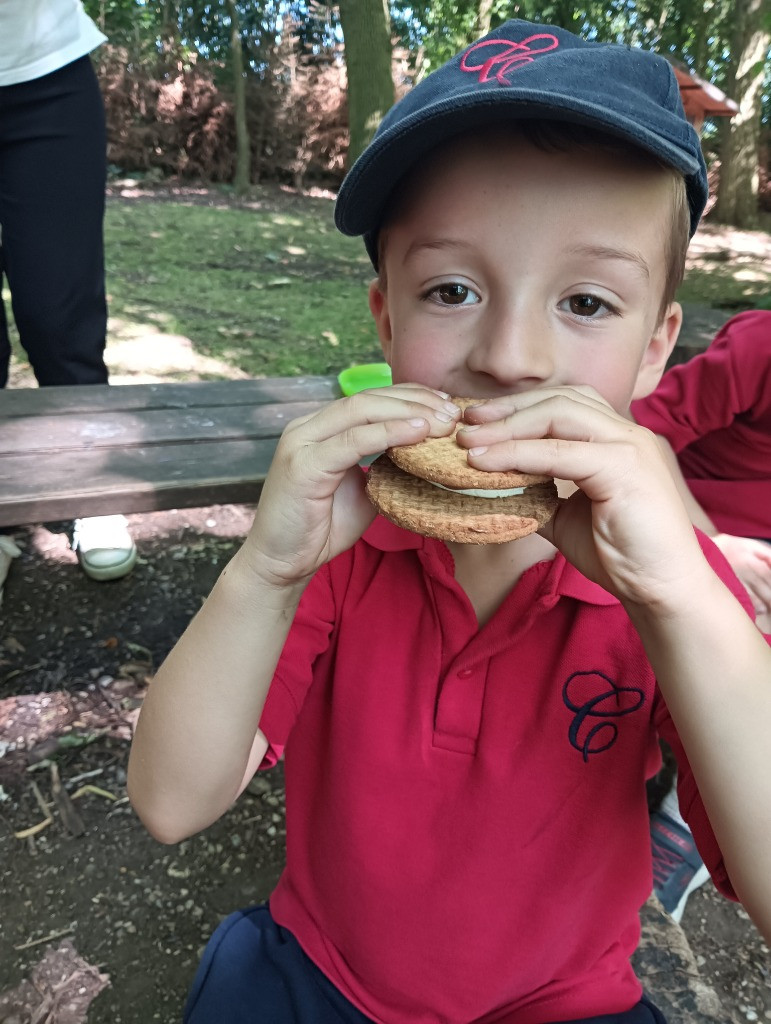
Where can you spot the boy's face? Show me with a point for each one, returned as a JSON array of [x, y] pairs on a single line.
[[510, 268]]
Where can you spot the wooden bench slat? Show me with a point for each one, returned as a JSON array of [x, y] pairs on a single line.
[[192, 394], [52, 434], [67, 452], [105, 481]]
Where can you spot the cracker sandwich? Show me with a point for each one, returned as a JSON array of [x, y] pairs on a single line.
[[429, 488]]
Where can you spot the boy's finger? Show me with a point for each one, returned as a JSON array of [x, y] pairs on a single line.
[[492, 409], [372, 407], [336, 454], [557, 416], [761, 590], [575, 460]]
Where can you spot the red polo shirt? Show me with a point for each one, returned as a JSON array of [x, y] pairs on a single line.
[[715, 411], [467, 828]]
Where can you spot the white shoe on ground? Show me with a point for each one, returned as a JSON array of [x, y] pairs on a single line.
[[104, 546]]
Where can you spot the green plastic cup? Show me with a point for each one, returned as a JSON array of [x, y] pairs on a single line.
[[367, 375]]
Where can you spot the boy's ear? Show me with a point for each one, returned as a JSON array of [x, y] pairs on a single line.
[[378, 307], [658, 351]]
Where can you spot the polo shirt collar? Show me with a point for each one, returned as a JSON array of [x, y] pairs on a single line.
[[562, 578]]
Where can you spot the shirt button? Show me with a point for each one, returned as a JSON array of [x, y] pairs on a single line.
[[465, 673]]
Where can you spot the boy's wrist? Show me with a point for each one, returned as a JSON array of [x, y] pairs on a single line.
[[258, 575], [694, 595]]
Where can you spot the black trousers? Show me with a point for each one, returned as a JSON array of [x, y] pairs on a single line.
[[52, 182]]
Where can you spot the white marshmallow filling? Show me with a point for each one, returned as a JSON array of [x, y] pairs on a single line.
[[478, 492]]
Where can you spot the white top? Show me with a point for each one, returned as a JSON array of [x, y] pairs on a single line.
[[41, 36]]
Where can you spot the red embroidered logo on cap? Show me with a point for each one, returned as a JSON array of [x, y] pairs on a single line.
[[512, 56]]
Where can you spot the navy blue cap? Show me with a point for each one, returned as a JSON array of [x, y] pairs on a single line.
[[523, 70]]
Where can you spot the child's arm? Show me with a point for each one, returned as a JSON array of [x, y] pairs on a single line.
[[198, 729], [750, 559], [627, 529], [696, 513]]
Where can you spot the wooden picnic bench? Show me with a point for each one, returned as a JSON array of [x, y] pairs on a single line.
[[82, 451]]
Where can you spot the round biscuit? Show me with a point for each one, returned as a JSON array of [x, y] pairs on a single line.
[[416, 505], [443, 461]]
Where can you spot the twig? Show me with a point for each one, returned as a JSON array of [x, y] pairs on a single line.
[[72, 820], [46, 938], [21, 672], [34, 829], [42, 803], [83, 775], [95, 790]]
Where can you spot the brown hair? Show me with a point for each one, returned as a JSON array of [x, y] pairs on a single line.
[[564, 136]]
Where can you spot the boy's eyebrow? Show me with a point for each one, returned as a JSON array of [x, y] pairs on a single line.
[[606, 252], [434, 244], [588, 251]]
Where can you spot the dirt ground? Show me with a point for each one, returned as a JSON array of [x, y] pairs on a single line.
[[75, 657]]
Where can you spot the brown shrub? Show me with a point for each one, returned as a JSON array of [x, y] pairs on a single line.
[[181, 121]]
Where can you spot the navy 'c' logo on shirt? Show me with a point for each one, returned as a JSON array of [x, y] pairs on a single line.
[[595, 701]]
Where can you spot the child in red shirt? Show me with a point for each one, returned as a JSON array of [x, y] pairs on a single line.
[[715, 413], [467, 729]]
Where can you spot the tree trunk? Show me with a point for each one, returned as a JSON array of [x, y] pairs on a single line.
[[484, 13], [737, 196], [367, 35], [241, 180]]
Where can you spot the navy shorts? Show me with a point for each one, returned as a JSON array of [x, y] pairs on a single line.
[[253, 971]]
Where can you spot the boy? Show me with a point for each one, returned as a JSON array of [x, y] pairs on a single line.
[[471, 727]]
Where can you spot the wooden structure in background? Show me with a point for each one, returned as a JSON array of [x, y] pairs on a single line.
[[701, 99]]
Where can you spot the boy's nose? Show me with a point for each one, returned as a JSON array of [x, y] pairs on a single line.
[[516, 353]]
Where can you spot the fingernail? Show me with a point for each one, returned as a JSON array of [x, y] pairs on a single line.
[[477, 451], [417, 423], [445, 417], [451, 407]]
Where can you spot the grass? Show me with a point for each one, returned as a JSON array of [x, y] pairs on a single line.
[[730, 286], [275, 290], [269, 293]]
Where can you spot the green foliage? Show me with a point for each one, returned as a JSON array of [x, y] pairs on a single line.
[[202, 30], [696, 32]]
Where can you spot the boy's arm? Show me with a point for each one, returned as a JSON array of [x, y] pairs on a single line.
[[198, 729], [199, 721], [714, 670], [627, 529]]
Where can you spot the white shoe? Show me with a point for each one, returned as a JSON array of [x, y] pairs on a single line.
[[104, 546]]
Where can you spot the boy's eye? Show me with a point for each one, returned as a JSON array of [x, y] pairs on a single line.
[[585, 305], [453, 294]]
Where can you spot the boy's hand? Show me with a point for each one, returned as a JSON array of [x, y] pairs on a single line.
[[313, 504], [626, 527], [751, 561]]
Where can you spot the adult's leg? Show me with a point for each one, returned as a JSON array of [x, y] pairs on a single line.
[[52, 178], [255, 972]]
